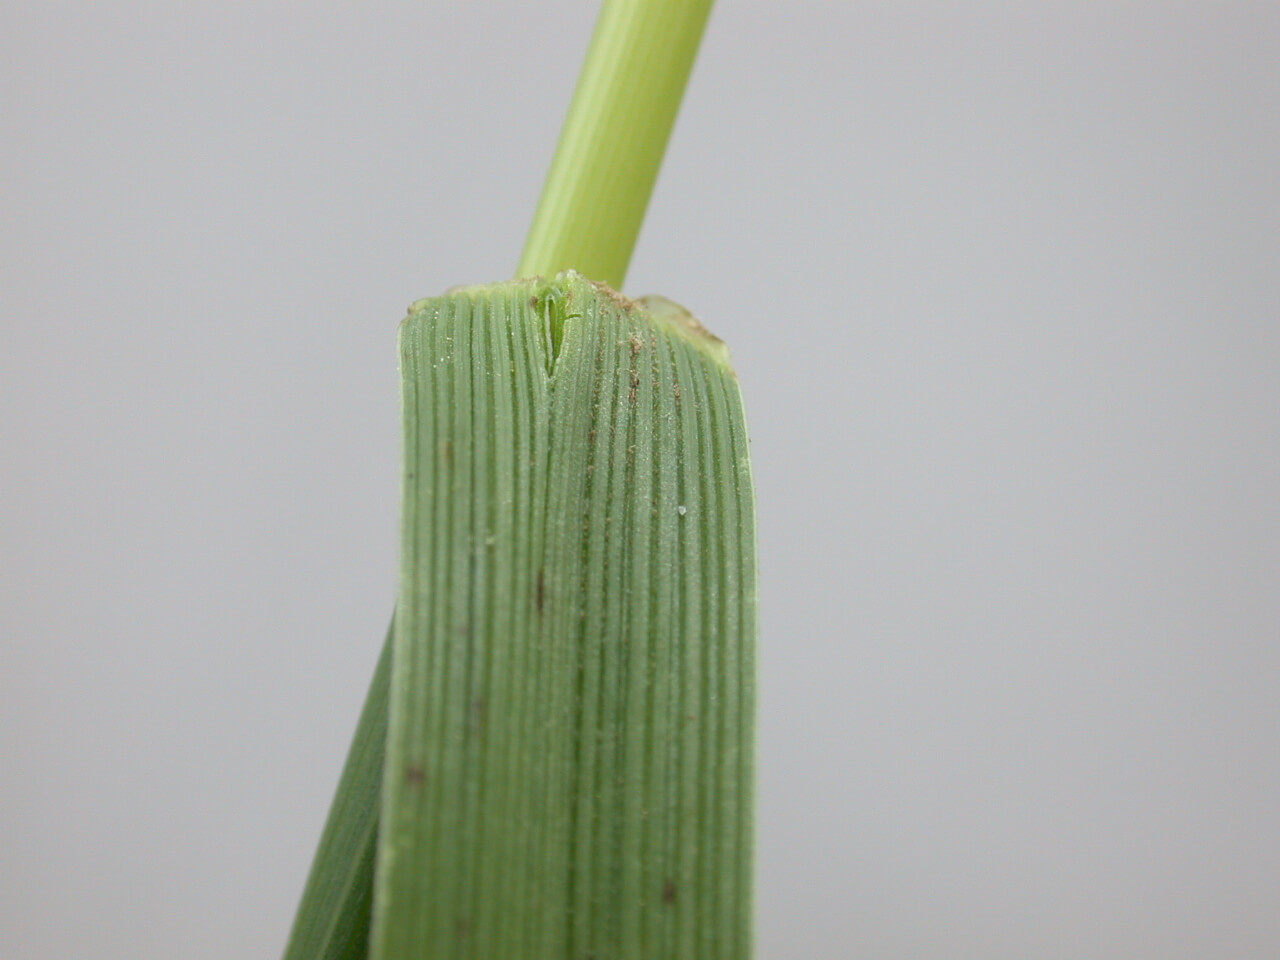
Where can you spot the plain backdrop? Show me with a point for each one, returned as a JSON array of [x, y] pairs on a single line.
[[1002, 281]]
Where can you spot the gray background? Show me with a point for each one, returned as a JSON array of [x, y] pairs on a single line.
[[1002, 286]]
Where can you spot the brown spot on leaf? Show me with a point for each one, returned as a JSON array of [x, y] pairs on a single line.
[[669, 892], [448, 454], [415, 776], [619, 300]]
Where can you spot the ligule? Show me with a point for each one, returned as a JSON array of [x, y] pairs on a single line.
[[569, 756]]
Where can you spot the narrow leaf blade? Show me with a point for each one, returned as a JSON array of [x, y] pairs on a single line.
[[333, 918], [569, 760]]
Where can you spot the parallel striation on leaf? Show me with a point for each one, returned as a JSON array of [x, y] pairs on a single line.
[[569, 758]]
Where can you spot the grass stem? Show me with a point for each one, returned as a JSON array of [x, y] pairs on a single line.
[[614, 137]]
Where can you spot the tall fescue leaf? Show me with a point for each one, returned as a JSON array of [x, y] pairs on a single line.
[[569, 765], [333, 918], [569, 700]]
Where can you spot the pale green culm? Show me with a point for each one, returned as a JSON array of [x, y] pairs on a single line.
[[611, 146], [569, 762]]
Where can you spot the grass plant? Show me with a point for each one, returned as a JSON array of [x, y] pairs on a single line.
[[555, 755]]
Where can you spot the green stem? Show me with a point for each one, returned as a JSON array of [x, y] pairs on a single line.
[[611, 147]]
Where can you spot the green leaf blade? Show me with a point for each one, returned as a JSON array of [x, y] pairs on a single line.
[[569, 760], [335, 912]]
